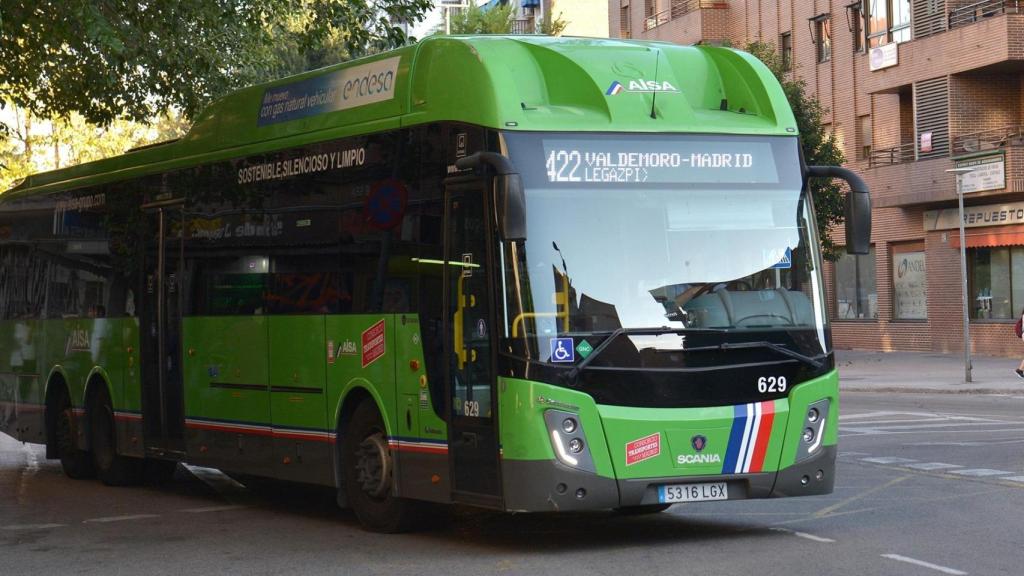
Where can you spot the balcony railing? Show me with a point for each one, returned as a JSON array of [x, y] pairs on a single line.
[[680, 8], [894, 155], [971, 13], [988, 140], [523, 26]]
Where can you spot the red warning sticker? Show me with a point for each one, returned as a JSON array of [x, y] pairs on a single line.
[[643, 449], [373, 343]]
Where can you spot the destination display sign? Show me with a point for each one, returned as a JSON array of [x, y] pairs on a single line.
[[641, 161]]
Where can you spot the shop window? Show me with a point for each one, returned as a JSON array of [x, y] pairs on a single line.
[[909, 285], [996, 290], [855, 288]]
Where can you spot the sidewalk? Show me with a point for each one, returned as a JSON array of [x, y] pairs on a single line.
[[863, 371]]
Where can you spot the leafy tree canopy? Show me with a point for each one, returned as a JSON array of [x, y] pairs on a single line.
[[108, 59], [820, 146], [498, 20]]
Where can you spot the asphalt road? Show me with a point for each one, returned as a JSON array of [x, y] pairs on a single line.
[[927, 485]]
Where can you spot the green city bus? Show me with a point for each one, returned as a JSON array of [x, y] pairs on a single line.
[[523, 273]]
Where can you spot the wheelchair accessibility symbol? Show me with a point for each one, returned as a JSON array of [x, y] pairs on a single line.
[[562, 350]]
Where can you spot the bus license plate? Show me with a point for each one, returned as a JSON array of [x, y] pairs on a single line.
[[693, 492]]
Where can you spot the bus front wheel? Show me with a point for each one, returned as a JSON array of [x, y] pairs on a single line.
[[369, 469]]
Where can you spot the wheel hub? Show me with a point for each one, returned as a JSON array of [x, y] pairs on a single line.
[[373, 465]]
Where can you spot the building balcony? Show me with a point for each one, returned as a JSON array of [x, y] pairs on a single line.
[[687, 21], [985, 38], [897, 179]]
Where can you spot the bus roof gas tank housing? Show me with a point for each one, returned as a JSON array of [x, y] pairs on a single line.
[[584, 84]]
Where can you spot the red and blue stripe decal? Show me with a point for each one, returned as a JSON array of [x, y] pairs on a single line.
[[748, 440]]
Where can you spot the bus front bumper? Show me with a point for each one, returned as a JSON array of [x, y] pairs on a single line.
[[547, 485]]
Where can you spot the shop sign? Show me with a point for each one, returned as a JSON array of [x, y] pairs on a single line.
[[975, 216], [910, 297], [989, 174], [884, 56]]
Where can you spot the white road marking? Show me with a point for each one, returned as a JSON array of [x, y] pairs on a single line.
[[887, 460], [854, 432], [922, 563], [933, 466], [980, 472], [805, 535], [212, 509], [842, 454], [1015, 479], [32, 526], [107, 519]]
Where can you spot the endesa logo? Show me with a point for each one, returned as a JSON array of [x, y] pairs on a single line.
[[640, 85], [369, 85]]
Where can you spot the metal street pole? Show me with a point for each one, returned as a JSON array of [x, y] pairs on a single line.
[[957, 172]]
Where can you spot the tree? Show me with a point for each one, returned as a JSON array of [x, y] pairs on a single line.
[[107, 59], [477, 20], [551, 27], [819, 145], [40, 144]]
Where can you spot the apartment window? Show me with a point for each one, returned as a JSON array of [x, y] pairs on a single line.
[[786, 50], [909, 285], [887, 21], [624, 29], [856, 295], [865, 134], [997, 282], [855, 16], [823, 37]]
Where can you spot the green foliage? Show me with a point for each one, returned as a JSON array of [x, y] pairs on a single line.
[[552, 27], [108, 59], [819, 145], [475, 20], [39, 144]]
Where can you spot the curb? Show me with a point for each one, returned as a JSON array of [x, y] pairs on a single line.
[[916, 390]]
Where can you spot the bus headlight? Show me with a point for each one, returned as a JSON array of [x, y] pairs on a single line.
[[813, 430], [568, 439]]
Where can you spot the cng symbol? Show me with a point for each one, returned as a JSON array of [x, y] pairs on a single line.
[[562, 350]]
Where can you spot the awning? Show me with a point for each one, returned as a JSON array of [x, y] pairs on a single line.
[[991, 236]]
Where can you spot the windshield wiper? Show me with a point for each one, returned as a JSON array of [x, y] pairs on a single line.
[[761, 344], [574, 373]]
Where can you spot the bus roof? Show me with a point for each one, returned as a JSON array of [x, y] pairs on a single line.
[[502, 82]]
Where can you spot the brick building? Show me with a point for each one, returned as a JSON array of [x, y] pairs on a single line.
[[914, 88]]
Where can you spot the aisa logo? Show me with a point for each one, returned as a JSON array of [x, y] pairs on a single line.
[[640, 85]]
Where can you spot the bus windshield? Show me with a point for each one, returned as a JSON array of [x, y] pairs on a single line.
[[699, 235]]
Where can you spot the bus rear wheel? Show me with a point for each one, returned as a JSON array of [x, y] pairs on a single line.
[[75, 462], [369, 467], [111, 468]]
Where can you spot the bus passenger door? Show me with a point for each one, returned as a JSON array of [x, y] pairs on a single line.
[[473, 438], [160, 330]]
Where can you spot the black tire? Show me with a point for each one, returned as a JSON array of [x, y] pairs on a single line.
[[641, 510], [368, 467], [75, 462], [159, 472], [111, 468]]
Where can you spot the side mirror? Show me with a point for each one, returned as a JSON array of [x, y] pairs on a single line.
[[509, 196], [858, 207]]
